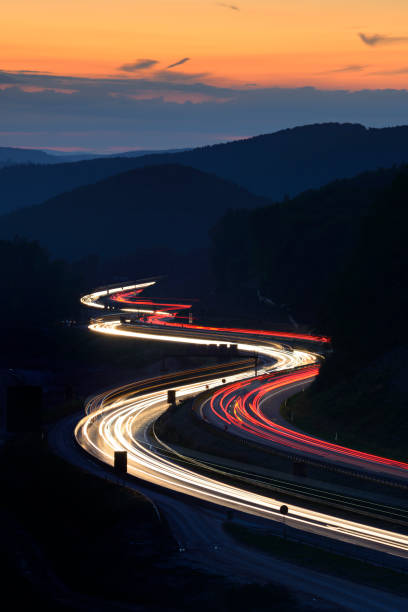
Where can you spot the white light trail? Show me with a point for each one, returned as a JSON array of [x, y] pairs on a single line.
[[123, 425], [118, 420], [92, 299]]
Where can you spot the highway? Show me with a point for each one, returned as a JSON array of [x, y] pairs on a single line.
[[204, 544], [245, 409], [121, 419], [123, 422]]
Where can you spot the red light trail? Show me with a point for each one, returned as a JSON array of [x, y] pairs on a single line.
[[240, 405], [123, 418], [161, 319]]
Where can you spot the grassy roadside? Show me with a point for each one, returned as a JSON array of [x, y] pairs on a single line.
[[320, 560], [362, 419], [70, 512], [102, 540], [179, 425], [364, 404], [71, 363]]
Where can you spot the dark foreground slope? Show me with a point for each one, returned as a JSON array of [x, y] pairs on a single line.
[[368, 307], [362, 392], [338, 257], [272, 165], [166, 206]]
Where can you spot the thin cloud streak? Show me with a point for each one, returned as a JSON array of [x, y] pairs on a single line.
[[349, 68], [381, 39], [156, 81], [179, 63], [232, 7], [390, 72], [140, 64]]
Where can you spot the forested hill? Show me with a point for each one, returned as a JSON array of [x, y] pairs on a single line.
[[152, 207], [367, 309], [338, 258], [361, 394], [28, 185], [295, 251], [273, 165]]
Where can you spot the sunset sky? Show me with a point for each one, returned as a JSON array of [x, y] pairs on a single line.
[[202, 52]]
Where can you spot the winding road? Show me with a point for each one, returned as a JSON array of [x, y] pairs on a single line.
[[122, 419]]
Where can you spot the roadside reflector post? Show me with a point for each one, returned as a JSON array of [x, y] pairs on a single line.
[[171, 396], [120, 462], [284, 510]]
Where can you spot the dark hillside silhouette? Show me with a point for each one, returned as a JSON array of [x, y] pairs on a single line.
[[294, 251], [361, 392], [33, 184], [166, 206], [28, 274], [338, 258], [272, 165], [367, 311]]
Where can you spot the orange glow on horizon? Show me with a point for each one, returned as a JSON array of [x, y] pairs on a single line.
[[265, 43]]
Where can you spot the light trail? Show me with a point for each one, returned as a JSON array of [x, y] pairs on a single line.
[[128, 295], [120, 419], [93, 299], [241, 406], [283, 359], [123, 425]]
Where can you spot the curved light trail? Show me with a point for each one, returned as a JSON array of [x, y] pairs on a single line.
[[128, 295], [244, 406], [121, 419]]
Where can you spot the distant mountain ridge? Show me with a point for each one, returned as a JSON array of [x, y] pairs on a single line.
[[154, 207], [66, 157], [272, 165], [11, 156]]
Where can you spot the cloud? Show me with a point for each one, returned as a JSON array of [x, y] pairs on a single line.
[[182, 61], [349, 68], [233, 7], [158, 81], [380, 39], [403, 70], [170, 76], [140, 64], [156, 112]]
